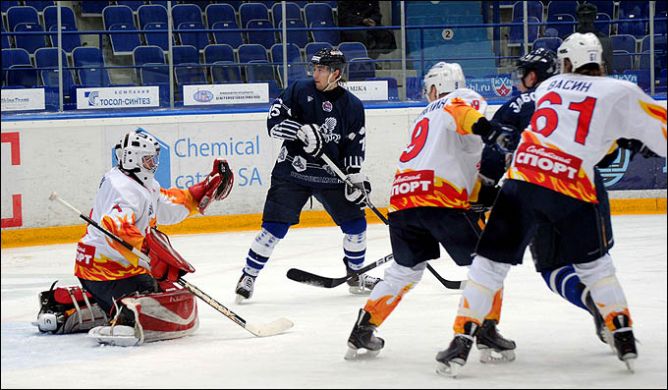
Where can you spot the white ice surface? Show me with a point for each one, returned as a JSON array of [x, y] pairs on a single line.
[[556, 342]]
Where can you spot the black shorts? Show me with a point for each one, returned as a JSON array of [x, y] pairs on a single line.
[[285, 201], [521, 208], [416, 233], [548, 247], [105, 292]]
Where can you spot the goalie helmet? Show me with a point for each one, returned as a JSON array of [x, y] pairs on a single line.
[[446, 77], [542, 61], [580, 49], [139, 154]]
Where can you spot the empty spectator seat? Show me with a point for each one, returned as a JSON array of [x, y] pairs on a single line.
[[30, 42], [296, 32], [217, 53], [20, 15], [51, 17], [197, 39], [261, 32], [232, 38], [69, 41], [226, 72], [220, 13], [332, 36], [292, 11], [250, 11]]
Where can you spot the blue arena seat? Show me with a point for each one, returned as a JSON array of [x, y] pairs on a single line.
[[250, 11], [360, 68], [220, 13], [624, 42], [94, 77], [123, 43], [69, 41], [550, 43], [562, 7], [292, 11], [517, 32], [296, 33], [46, 58], [232, 38], [19, 15], [147, 55], [318, 12], [294, 55], [156, 34], [29, 42], [134, 5], [156, 75], [5, 5], [564, 29], [353, 50], [622, 60], [51, 17], [117, 14], [295, 72], [189, 74], [197, 39], [259, 71], [186, 13], [226, 72], [87, 56], [261, 32], [217, 53], [252, 52], [4, 41], [234, 3], [151, 13], [331, 36], [313, 47], [185, 54]]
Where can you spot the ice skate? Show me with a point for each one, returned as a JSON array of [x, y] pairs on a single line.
[[451, 360], [362, 342], [623, 341], [116, 335], [488, 340], [245, 287], [361, 284]]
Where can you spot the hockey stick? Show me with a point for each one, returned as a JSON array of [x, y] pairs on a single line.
[[449, 284], [261, 330], [322, 281]]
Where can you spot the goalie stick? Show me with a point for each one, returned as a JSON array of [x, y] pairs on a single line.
[[261, 330], [315, 280]]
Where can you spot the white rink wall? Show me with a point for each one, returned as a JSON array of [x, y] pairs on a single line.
[[70, 156]]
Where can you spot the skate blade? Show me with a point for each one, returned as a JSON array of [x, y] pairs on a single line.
[[355, 290], [239, 299], [359, 354], [451, 370], [630, 365], [488, 355]]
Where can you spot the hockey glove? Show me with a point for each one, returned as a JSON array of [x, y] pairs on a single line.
[[636, 147], [312, 138], [216, 186], [493, 133], [286, 130], [360, 189]]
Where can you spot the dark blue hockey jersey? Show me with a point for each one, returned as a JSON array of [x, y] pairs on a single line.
[[516, 113], [341, 117]]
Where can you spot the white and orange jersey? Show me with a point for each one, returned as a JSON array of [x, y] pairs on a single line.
[[439, 167], [576, 123], [127, 209]]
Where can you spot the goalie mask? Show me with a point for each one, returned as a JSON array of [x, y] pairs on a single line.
[[139, 154], [445, 77]]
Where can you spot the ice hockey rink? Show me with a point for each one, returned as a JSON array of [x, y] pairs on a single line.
[[557, 346]]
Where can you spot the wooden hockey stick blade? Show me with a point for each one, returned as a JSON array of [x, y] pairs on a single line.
[[322, 281], [270, 329]]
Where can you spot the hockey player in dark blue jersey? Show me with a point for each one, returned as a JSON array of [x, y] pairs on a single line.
[[313, 117], [547, 247]]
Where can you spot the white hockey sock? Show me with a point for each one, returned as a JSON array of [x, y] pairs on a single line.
[[354, 249], [259, 252]]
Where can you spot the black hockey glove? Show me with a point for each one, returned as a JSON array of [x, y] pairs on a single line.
[[312, 138], [360, 189], [286, 130], [636, 147], [493, 133]]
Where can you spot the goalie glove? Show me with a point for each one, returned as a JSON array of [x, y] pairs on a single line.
[[360, 189], [166, 262], [286, 130], [216, 186], [312, 138]]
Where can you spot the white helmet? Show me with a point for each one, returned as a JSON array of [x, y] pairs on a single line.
[[580, 49], [139, 154], [446, 77]]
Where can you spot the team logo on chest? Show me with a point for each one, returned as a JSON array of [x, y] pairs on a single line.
[[327, 130], [327, 106]]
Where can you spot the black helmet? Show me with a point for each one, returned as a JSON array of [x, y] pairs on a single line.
[[333, 58], [542, 61]]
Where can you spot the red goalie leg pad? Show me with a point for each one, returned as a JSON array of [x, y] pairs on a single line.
[[63, 295], [163, 316]]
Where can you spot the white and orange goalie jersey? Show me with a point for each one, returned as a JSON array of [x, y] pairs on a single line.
[[127, 209], [439, 167], [576, 123]]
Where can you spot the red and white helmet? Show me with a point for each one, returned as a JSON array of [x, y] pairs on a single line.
[[446, 77], [580, 49], [139, 154]]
